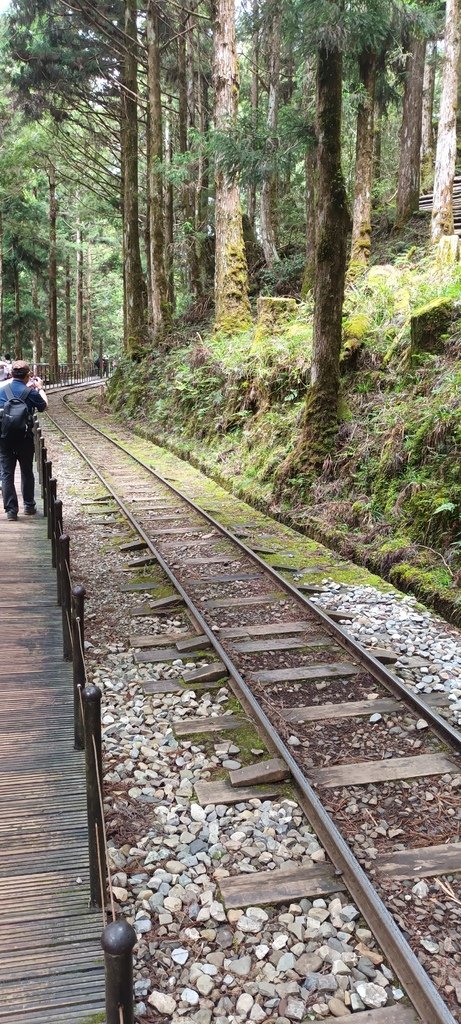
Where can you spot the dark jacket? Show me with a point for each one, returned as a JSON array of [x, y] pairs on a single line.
[[34, 399]]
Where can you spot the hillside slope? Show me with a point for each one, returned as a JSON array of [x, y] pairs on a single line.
[[390, 496]]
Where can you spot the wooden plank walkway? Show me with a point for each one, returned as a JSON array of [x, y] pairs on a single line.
[[50, 953]]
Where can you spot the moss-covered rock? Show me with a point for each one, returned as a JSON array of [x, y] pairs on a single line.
[[448, 249], [429, 323], [355, 331], [274, 315]]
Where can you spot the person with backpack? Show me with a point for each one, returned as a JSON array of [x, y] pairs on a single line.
[[17, 404]]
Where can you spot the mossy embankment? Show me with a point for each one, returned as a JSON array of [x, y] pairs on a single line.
[[390, 496]]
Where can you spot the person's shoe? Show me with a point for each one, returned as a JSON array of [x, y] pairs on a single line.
[[12, 516], [30, 510]]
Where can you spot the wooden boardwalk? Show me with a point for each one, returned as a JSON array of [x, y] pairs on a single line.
[[50, 952]]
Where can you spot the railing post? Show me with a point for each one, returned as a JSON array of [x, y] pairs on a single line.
[[52, 491], [38, 454], [58, 527], [48, 468], [64, 558], [78, 668], [118, 940], [43, 458], [37, 435], [91, 696]]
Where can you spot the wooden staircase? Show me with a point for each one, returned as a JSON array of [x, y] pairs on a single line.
[[426, 200]]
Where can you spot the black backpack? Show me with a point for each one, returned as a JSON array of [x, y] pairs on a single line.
[[16, 418]]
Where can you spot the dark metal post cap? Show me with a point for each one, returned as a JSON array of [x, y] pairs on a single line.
[[118, 937], [91, 694]]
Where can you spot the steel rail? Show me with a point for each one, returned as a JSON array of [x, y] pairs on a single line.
[[419, 987], [446, 732]]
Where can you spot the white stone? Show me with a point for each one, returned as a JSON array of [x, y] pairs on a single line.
[[180, 956], [432, 947], [372, 995], [197, 813], [420, 890], [204, 984], [244, 1004], [189, 995], [163, 1003]]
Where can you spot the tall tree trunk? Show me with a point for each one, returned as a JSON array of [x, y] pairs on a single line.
[[186, 103], [79, 296], [254, 101], [52, 276], [309, 178], [169, 220], [427, 127], [203, 186], [445, 156], [321, 419], [268, 191], [232, 307], [37, 342], [361, 221], [68, 314], [17, 310], [410, 132], [161, 309], [147, 245], [310, 161], [88, 328], [134, 284], [377, 138]]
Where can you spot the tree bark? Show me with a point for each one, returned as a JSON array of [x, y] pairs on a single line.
[[186, 110], [309, 178], [169, 220], [17, 310], [361, 220], [68, 315], [321, 419], [427, 127], [52, 276], [88, 328], [410, 132], [310, 162], [161, 309], [79, 296], [232, 307], [254, 102], [37, 343], [268, 191], [203, 186], [445, 156], [377, 139], [134, 284]]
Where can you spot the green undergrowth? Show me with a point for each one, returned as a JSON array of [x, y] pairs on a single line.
[[390, 495]]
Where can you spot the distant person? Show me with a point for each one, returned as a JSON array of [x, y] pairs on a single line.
[[5, 366], [18, 400], [105, 366]]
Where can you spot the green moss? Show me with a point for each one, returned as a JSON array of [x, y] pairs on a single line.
[[429, 323], [235, 407], [274, 316]]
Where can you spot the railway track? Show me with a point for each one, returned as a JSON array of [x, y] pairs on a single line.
[[322, 702]]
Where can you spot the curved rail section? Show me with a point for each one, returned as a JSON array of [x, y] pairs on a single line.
[[113, 464]]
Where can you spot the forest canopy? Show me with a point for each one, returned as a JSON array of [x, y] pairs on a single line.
[[166, 165]]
